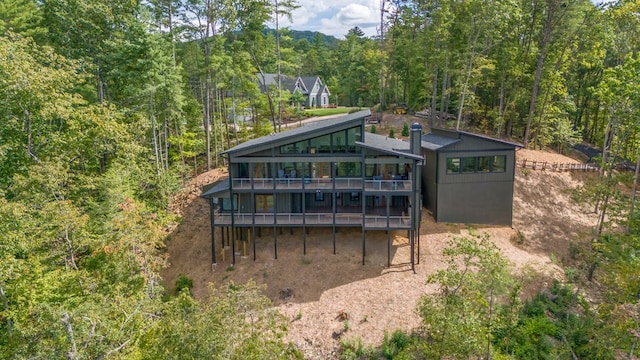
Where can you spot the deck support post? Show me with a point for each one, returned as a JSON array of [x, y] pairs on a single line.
[[418, 238], [363, 245], [253, 240], [275, 243], [233, 248], [334, 240], [412, 241], [388, 249], [213, 231]]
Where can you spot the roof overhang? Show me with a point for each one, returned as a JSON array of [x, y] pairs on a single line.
[[398, 152], [220, 189]]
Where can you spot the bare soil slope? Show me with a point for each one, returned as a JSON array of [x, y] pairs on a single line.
[[313, 289]]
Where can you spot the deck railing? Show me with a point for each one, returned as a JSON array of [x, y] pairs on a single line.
[[370, 221], [387, 185], [320, 183]]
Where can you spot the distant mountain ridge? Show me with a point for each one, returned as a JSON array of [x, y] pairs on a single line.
[[306, 34]]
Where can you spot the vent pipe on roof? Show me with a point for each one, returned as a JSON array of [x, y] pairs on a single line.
[[416, 139]]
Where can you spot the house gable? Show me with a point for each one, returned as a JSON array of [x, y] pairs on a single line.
[[315, 91]]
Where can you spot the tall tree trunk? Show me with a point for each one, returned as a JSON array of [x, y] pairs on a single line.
[[445, 74], [464, 89], [206, 103], [434, 89], [5, 303], [536, 84], [633, 194], [152, 117], [501, 105], [554, 15]]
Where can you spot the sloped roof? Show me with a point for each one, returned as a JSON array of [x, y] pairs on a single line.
[[437, 141], [491, 139], [309, 81], [434, 142], [388, 145], [272, 80], [316, 126], [218, 189]]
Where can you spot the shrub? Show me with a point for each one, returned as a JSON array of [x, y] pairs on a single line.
[[183, 282], [405, 129]]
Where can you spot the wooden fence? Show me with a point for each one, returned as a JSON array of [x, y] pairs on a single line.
[[554, 166]]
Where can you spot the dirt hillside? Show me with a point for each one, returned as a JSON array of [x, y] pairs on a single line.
[[313, 289]]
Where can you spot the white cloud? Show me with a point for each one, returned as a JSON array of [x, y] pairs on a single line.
[[334, 17]]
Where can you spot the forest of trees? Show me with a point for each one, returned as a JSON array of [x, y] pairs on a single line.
[[106, 107]]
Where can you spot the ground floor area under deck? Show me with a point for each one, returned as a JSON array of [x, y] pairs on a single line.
[[230, 245]]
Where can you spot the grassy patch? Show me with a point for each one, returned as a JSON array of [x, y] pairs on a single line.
[[329, 111]]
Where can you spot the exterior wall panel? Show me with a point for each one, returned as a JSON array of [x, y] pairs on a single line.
[[482, 203], [429, 181]]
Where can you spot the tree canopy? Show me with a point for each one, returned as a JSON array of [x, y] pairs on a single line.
[[107, 106]]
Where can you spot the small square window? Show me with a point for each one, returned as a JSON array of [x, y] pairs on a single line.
[[453, 165], [468, 164], [484, 163], [499, 163], [319, 196]]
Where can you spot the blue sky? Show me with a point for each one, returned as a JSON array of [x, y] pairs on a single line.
[[336, 17]]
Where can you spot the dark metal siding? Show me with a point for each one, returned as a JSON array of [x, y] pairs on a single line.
[[478, 203], [475, 198], [429, 181], [245, 202], [283, 202]]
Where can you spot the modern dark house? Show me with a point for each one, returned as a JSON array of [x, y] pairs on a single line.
[[329, 173], [468, 178]]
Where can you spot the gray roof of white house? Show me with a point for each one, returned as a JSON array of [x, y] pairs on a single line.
[[272, 80], [315, 126]]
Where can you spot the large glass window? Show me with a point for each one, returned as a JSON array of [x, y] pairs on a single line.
[[349, 169], [261, 171], [226, 204], [301, 147], [353, 135], [287, 149], [321, 144], [339, 141], [484, 163], [497, 163], [468, 164], [370, 170], [264, 203]]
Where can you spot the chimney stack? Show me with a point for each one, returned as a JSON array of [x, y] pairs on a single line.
[[416, 139]]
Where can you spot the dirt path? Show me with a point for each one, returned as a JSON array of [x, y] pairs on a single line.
[[312, 289]]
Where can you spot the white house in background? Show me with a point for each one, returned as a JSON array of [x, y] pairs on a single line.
[[316, 92]]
